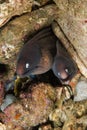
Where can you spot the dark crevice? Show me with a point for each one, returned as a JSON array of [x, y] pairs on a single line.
[[3, 69]]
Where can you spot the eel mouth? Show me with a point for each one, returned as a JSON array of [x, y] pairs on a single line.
[[21, 73], [68, 77]]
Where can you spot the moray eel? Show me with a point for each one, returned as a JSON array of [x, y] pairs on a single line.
[[63, 67], [37, 55]]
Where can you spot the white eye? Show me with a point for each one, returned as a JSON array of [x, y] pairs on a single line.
[[66, 70], [27, 65], [58, 74]]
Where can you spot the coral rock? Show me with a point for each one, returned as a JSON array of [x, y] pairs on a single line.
[[33, 108]]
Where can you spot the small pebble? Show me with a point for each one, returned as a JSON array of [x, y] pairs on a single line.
[[9, 99]]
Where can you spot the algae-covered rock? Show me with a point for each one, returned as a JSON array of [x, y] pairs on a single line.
[[33, 108], [13, 7]]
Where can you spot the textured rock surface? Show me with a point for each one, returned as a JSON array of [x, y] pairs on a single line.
[[81, 91], [33, 108], [2, 126], [42, 2], [13, 7], [70, 116]]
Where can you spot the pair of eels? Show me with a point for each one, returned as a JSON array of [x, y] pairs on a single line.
[[44, 52]]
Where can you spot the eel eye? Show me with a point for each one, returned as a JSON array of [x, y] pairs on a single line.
[[27, 65], [66, 70], [58, 74]]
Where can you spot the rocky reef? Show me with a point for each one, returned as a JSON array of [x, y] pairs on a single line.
[[42, 102]]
